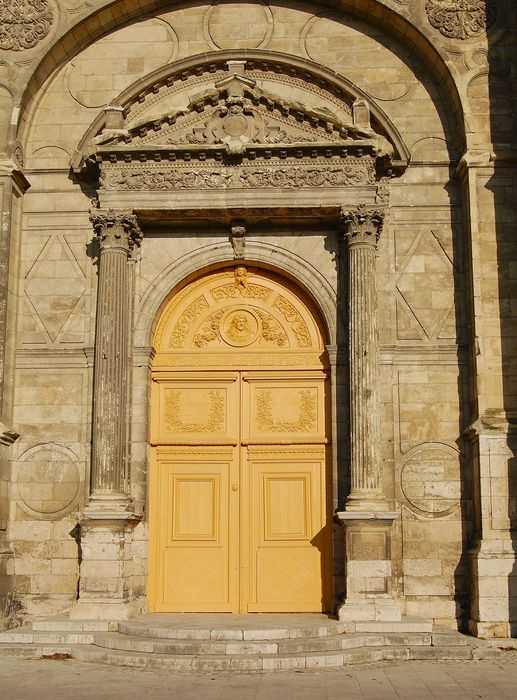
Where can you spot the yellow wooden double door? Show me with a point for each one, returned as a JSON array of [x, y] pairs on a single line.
[[239, 514]]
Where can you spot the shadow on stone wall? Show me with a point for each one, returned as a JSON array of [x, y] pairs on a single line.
[[502, 69]]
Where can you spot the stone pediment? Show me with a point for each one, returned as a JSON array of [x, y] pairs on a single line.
[[236, 114]]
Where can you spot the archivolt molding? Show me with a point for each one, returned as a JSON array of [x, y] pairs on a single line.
[[389, 15], [216, 255]]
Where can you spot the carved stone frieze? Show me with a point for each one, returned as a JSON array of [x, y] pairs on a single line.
[[24, 23], [461, 19], [349, 171]]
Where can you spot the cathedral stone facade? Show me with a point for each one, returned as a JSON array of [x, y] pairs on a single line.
[[258, 303]]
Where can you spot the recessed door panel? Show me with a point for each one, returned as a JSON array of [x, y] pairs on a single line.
[[288, 543], [196, 551]]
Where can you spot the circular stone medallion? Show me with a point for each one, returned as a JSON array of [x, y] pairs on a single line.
[[431, 480], [48, 481], [240, 327]]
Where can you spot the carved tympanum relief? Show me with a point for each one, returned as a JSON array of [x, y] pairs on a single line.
[[239, 308], [461, 19], [24, 23]]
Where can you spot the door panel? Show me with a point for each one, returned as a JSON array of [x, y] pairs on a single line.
[[196, 546], [288, 539]]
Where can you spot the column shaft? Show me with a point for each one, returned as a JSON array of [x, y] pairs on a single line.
[[362, 230], [117, 233]]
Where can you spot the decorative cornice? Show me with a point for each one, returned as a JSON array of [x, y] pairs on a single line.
[[116, 229], [24, 23], [461, 19], [362, 225]]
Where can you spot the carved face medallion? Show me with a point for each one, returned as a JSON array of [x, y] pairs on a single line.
[[240, 327]]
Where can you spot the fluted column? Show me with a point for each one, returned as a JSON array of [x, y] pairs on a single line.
[[362, 228], [117, 233]]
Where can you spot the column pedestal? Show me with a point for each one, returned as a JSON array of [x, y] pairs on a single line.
[[493, 561], [368, 575], [105, 586]]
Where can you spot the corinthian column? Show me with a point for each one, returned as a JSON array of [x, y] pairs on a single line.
[[117, 233], [107, 523], [366, 519], [362, 229]]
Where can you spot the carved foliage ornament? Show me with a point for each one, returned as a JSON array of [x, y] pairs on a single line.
[[23, 23], [461, 19], [362, 225], [116, 229]]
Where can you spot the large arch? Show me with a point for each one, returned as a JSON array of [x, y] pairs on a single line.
[[105, 20]]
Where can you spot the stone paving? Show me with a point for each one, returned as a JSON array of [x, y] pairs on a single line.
[[62, 680]]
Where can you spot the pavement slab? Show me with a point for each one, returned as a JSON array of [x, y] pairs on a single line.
[[25, 679]]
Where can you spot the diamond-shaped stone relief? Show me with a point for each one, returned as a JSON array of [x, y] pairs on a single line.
[[54, 288], [425, 288]]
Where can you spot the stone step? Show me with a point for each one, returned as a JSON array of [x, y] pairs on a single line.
[[252, 662], [267, 662], [234, 633], [123, 642], [25, 635], [60, 624]]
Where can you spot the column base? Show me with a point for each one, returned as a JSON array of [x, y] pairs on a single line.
[[368, 573], [378, 609], [107, 610], [106, 572], [494, 579]]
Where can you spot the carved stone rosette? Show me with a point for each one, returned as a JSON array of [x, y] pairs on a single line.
[[362, 228], [118, 233], [461, 19], [24, 23]]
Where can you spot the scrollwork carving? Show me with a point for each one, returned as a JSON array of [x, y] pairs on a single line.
[[185, 322], [24, 23], [350, 172], [298, 325], [461, 19]]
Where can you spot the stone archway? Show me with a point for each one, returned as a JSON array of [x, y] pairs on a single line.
[[234, 140]]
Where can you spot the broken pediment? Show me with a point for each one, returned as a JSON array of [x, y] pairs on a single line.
[[237, 113]]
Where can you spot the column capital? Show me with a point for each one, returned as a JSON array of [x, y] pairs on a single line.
[[116, 229], [362, 225]]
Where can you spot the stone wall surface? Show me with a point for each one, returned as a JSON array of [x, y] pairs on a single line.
[[446, 273]]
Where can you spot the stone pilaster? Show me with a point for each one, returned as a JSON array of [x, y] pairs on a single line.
[[366, 519], [13, 185], [108, 520], [362, 229]]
